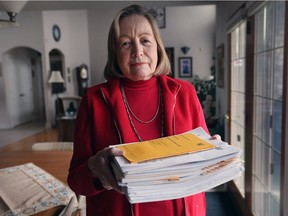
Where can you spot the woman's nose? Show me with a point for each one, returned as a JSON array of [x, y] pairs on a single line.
[[137, 50]]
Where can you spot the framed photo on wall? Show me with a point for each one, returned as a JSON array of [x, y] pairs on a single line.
[[170, 53], [185, 67], [220, 66], [159, 15]]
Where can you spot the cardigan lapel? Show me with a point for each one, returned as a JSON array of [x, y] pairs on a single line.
[[170, 89], [113, 97]]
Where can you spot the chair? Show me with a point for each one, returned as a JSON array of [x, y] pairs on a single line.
[[69, 105], [67, 116]]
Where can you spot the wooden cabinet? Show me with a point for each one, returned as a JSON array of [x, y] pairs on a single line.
[[66, 127]]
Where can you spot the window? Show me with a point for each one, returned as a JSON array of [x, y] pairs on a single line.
[[268, 57], [238, 61]]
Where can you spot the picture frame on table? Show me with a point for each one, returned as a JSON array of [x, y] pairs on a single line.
[[185, 67]]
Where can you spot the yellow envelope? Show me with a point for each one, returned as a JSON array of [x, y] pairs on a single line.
[[164, 147]]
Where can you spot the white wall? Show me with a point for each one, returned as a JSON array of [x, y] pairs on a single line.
[[73, 44], [28, 34], [3, 100], [99, 23], [35, 31], [192, 26]]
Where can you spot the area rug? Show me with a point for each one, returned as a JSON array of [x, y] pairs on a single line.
[[52, 146]]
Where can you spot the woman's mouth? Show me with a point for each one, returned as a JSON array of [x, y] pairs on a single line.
[[137, 64]]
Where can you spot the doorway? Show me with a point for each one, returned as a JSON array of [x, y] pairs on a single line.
[[23, 79]]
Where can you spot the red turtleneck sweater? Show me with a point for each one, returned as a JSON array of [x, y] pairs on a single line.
[[143, 99]]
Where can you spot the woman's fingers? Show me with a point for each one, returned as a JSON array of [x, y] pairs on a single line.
[[101, 168], [216, 137], [116, 152]]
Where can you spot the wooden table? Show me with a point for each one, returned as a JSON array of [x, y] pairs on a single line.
[[54, 162]]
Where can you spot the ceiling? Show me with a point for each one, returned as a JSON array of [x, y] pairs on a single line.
[[70, 5], [38, 5]]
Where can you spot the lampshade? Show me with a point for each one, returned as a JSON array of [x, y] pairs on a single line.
[[208, 78], [12, 8], [185, 49], [56, 77]]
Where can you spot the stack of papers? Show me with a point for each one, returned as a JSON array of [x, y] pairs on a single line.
[[175, 166]]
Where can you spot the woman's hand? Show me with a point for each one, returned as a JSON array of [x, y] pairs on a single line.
[[100, 167], [216, 137]]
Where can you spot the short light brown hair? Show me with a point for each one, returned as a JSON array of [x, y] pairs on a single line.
[[112, 69]]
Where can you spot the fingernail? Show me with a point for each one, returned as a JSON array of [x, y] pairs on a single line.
[[118, 151]]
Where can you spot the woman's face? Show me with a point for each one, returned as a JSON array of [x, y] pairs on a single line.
[[136, 48]]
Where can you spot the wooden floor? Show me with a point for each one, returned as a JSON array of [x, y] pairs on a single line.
[[49, 135], [54, 162]]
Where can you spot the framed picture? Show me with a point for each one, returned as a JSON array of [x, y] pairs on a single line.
[[159, 15], [185, 66], [170, 53], [56, 33], [220, 66]]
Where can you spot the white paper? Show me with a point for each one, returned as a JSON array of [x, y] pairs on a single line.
[[179, 176]]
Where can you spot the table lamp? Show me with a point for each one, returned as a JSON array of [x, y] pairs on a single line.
[[56, 79]]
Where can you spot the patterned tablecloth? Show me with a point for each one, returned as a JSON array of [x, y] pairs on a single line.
[[27, 189]]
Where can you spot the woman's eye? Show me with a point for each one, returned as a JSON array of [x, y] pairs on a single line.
[[145, 41], [126, 44]]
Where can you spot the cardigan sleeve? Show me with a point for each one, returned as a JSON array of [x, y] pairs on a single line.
[[188, 109], [199, 110], [80, 178]]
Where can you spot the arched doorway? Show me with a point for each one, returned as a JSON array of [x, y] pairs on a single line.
[[23, 96]]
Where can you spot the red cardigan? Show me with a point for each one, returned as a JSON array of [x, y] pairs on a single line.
[[102, 121]]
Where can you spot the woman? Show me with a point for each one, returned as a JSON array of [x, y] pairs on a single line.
[[138, 102]]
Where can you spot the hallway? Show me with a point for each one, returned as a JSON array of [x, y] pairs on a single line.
[[17, 133]]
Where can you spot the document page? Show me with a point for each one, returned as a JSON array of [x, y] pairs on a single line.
[[164, 147]]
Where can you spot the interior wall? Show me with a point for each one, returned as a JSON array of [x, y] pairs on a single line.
[[192, 26], [99, 23], [5, 118], [35, 32], [73, 44]]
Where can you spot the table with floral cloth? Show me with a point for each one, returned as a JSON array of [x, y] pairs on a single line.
[[27, 189]]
